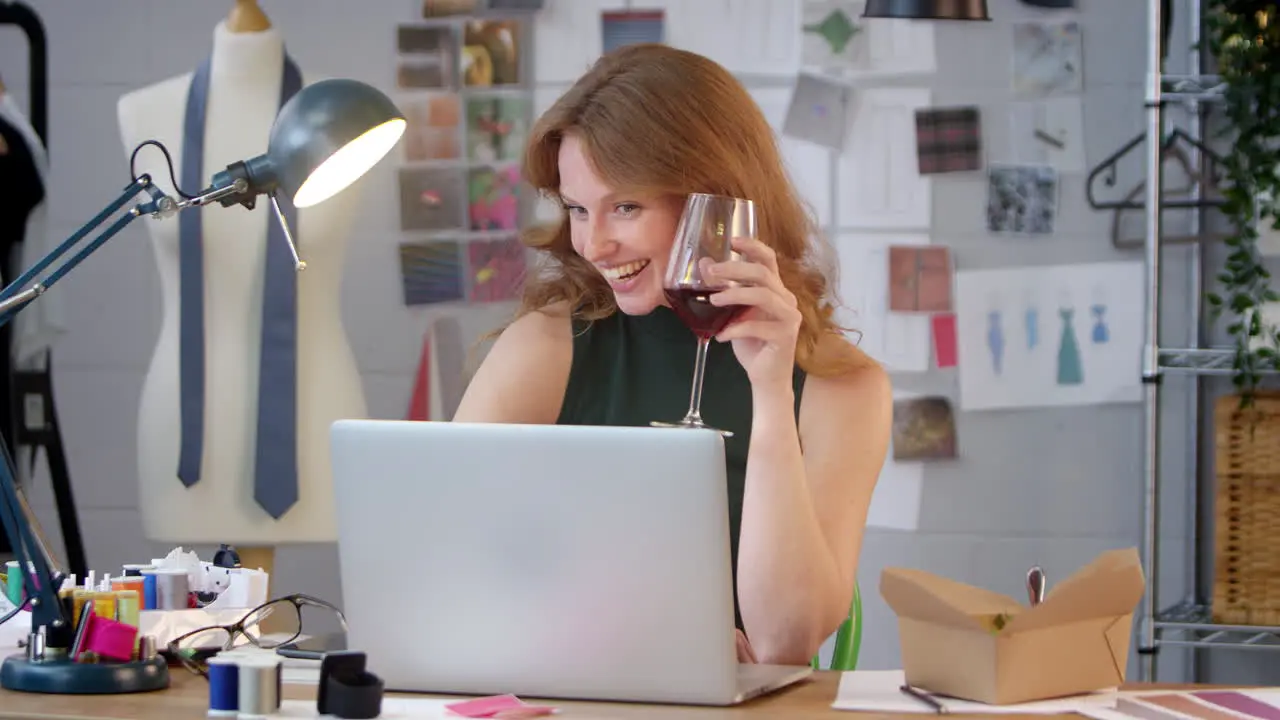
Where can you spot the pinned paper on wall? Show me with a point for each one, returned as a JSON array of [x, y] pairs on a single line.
[[809, 165], [899, 341], [945, 352], [1048, 132], [895, 503], [1048, 59], [830, 33], [631, 27], [819, 111], [924, 428], [948, 140], [835, 39], [1053, 335], [1022, 200]]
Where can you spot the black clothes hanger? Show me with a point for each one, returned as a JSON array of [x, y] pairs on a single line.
[[1209, 172], [40, 383], [16, 13]]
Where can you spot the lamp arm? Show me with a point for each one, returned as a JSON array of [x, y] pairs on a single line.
[[35, 562]]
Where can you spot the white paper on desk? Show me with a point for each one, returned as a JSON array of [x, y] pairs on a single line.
[[895, 504], [900, 341], [878, 691]]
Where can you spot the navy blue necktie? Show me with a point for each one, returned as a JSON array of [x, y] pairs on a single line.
[[276, 461]]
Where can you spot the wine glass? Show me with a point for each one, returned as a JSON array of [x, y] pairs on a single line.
[[704, 237]]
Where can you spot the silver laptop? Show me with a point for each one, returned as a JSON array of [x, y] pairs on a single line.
[[547, 561]]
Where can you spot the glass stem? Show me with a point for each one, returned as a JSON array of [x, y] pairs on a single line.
[[695, 393]]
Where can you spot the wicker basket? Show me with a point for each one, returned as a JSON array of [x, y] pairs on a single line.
[[1246, 583]]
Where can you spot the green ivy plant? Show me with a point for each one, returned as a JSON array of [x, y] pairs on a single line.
[[1244, 37]]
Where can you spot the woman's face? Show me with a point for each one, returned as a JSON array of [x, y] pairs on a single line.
[[626, 236]]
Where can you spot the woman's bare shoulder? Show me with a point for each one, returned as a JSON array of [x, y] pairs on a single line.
[[862, 379], [524, 375]]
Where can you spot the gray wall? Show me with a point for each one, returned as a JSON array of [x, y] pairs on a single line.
[[1048, 487]]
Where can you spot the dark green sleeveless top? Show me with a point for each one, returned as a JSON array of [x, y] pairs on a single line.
[[629, 370]]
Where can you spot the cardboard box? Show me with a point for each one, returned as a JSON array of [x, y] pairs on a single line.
[[969, 643]]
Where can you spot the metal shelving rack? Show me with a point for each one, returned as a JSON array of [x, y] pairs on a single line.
[[1188, 623]]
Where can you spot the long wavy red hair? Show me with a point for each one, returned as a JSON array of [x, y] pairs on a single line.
[[653, 117]]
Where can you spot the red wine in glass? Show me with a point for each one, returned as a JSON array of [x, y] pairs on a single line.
[[704, 237], [695, 310]]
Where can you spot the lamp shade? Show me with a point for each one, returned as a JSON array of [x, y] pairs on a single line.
[[328, 135], [927, 9]]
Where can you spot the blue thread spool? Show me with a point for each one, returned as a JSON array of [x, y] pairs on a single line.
[[224, 686], [148, 590]]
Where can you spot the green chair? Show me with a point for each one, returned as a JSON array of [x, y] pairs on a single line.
[[848, 638]]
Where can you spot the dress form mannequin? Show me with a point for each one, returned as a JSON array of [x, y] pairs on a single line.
[[243, 99]]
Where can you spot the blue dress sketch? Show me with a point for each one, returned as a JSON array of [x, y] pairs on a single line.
[[1100, 331], [995, 340], [1033, 328], [1069, 369]]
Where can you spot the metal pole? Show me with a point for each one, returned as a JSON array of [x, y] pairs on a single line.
[[1150, 349], [1195, 283]]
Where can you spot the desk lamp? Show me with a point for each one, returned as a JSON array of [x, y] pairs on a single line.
[[927, 9], [328, 135]]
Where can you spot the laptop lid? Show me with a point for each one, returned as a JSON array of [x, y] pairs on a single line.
[[552, 561]]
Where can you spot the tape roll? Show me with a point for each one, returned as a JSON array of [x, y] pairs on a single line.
[[224, 686], [259, 691]]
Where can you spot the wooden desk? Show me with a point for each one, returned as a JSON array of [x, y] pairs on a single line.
[[188, 698]]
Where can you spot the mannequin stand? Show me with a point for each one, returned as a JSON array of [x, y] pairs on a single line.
[[263, 558], [64, 676]]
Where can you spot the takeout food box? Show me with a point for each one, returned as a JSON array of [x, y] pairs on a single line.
[[970, 643]]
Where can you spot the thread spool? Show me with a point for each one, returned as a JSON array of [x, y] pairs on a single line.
[[259, 691], [135, 570], [172, 589], [128, 607], [15, 583], [128, 582], [224, 685], [149, 589], [104, 604]]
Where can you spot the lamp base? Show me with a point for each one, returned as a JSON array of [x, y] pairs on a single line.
[[65, 677]]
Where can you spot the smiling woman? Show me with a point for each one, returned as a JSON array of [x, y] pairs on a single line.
[[596, 343]]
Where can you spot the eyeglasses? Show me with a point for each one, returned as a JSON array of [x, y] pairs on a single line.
[[195, 648]]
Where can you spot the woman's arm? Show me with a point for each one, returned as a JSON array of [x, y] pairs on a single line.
[[803, 514], [524, 376]]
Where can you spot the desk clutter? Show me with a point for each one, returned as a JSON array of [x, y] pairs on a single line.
[[143, 605]]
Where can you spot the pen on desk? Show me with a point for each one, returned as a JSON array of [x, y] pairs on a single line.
[[925, 698]]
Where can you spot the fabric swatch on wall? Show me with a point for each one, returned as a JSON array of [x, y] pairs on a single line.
[[948, 140], [919, 279], [819, 111], [493, 198], [431, 272], [1022, 199], [618, 29], [924, 429], [491, 53], [432, 199], [497, 269]]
